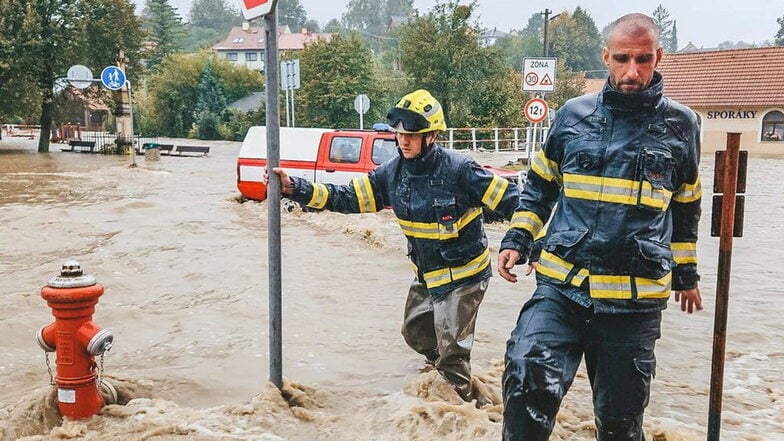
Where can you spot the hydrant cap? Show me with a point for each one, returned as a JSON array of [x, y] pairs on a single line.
[[71, 276]]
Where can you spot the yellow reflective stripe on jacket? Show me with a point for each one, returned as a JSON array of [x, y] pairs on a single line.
[[495, 192], [554, 267], [652, 288], [528, 221], [546, 168], [434, 230], [688, 192], [615, 190], [603, 286], [320, 196], [440, 277], [684, 252], [610, 287], [365, 197]]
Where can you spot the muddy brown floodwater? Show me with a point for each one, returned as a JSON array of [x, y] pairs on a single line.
[[184, 265]]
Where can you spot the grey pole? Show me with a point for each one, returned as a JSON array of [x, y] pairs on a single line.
[[273, 197]]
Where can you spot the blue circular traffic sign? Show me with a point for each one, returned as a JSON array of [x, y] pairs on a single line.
[[113, 77]]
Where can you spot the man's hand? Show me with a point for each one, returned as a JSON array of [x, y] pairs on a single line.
[[506, 261], [690, 299], [286, 184]]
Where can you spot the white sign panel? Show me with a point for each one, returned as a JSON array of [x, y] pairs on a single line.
[[539, 74], [289, 75]]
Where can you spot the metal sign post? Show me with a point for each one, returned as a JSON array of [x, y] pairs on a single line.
[[289, 80], [361, 105], [726, 181], [273, 197]]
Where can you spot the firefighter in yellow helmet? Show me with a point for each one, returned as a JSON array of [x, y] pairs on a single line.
[[438, 196]]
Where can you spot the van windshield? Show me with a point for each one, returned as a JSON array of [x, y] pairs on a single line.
[[383, 150]]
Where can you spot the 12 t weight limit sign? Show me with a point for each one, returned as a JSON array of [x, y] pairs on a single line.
[[536, 110]]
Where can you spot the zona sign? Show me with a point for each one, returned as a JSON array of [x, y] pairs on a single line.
[[536, 110]]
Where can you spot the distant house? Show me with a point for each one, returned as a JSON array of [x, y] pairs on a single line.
[[739, 90], [488, 37], [252, 102], [245, 45]]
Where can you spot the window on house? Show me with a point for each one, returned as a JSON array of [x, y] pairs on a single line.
[[232, 56], [344, 149], [773, 126], [251, 56]]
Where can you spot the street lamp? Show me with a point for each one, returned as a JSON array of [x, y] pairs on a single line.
[[547, 19]]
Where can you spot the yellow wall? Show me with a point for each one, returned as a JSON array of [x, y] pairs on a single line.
[[715, 128]]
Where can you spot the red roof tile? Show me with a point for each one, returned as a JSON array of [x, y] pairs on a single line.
[[740, 77], [253, 39]]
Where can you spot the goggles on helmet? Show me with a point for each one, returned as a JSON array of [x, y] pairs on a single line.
[[410, 120]]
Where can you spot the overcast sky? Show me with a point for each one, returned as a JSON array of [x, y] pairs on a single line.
[[706, 23]]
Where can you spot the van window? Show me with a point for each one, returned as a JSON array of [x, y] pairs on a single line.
[[344, 149], [383, 150]]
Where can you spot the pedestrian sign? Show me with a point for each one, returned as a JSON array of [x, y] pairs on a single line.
[[539, 74], [536, 110], [113, 78]]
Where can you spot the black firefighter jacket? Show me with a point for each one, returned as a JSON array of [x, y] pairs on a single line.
[[438, 199], [622, 171]]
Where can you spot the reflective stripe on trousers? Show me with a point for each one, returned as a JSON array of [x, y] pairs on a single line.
[[544, 351], [442, 329]]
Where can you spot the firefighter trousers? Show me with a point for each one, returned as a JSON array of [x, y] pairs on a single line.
[[552, 335], [442, 329]]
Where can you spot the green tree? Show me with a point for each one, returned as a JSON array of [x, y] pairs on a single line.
[[575, 39], [108, 27], [210, 106], [335, 72], [440, 53], [366, 16], [668, 37], [166, 105], [20, 99], [291, 13], [165, 29], [218, 15], [779, 38]]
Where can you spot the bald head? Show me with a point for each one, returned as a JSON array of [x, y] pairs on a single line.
[[634, 25], [632, 52]]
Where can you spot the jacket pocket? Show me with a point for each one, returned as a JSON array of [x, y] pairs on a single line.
[[564, 243], [446, 217], [654, 259], [457, 254], [656, 169]]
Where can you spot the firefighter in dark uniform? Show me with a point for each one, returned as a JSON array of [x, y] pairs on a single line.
[[620, 167], [438, 196]]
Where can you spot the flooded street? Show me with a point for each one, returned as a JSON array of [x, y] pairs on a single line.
[[184, 266]]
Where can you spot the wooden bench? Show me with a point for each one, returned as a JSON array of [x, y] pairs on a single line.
[[76, 145], [166, 149], [191, 149]]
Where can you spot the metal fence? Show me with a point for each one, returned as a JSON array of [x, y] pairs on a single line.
[[528, 139]]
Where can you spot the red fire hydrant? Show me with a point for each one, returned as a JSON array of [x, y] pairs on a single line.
[[76, 340]]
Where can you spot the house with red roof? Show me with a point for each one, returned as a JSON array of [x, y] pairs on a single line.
[[245, 45], [738, 90]]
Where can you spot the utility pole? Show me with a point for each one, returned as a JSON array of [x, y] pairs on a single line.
[[547, 20], [546, 14]]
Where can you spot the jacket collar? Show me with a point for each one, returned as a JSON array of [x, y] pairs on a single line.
[[422, 164], [647, 99]]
